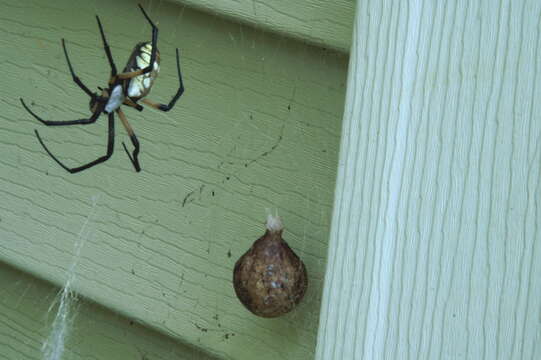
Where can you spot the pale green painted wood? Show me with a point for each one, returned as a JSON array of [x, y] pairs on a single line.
[[96, 333], [257, 128], [435, 247], [322, 22]]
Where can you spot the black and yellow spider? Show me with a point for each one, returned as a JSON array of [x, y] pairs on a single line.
[[126, 88]]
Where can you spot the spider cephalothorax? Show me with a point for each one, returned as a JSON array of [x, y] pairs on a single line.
[[126, 88]]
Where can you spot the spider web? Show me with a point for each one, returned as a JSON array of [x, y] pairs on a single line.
[[257, 130]]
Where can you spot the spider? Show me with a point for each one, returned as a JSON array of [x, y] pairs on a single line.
[[125, 88]]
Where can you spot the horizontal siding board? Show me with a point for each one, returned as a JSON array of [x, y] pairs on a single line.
[[322, 22], [28, 307]]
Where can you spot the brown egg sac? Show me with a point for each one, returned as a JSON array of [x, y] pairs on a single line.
[[269, 278]]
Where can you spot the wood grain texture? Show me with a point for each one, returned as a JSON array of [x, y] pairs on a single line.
[[435, 240], [321, 22], [258, 127], [27, 310]]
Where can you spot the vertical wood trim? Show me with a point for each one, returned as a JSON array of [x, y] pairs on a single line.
[[435, 233]]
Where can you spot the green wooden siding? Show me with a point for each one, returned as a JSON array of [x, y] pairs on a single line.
[[96, 332], [322, 22], [257, 128]]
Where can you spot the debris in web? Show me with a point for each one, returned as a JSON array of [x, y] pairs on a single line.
[[53, 347]]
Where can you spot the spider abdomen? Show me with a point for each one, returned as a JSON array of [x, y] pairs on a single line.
[[139, 86]]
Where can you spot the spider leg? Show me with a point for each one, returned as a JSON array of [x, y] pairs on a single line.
[[129, 102], [107, 49], [180, 91], [90, 120], [133, 138], [154, 42], [132, 74], [75, 77], [110, 147]]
